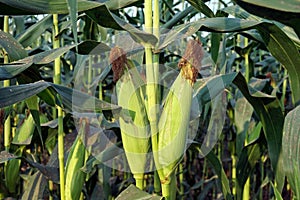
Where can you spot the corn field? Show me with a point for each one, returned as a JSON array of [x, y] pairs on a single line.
[[149, 99]]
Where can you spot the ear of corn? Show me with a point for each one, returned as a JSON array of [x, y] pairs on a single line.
[[75, 177], [174, 120], [135, 132], [173, 124]]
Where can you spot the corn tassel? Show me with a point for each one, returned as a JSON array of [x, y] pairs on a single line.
[[134, 132], [174, 121], [75, 178]]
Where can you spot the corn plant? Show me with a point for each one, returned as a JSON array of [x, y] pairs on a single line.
[[226, 130]]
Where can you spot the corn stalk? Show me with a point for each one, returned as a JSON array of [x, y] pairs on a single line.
[[57, 80], [7, 123]]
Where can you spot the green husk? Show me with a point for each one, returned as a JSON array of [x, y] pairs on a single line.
[[135, 132], [173, 125], [75, 177], [174, 120]]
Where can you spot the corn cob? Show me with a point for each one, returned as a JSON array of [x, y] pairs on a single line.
[[174, 120], [135, 132], [74, 177]]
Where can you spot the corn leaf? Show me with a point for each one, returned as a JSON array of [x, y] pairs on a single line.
[[242, 116], [72, 99], [33, 105], [216, 164], [239, 12], [31, 34], [189, 11], [24, 132], [73, 7], [202, 7], [6, 156], [35, 185], [111, 152], [276, 193], [247, 160], [32, 7], [286, 6], [102, 16], [285, 51], [270, 115], [51, 173], [291, 148], [216, 122], [277, 42], [13, 48], [266, 107], [211, 87], [132, 192], [11, 70], [12, 171], [286, 12]]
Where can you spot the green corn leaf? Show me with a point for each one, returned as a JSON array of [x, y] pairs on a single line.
[[217, 24], [247, 160], [216, 164], [286, 6], [19, 22], [242, 115], [211, 87], [286, 12], [277, 42], [33, 7], [35, 185], [25, 132], [102, 16], [14, 94], [73, 7], [202, 7], [6, 156], [51, 173], [254, 135], [285, 51], [270, 115], [31, 34], [276, 192], [133, 192], [266, 107], [72, 99], [189, 11], [216, 122], [109, 153], [11, 70], [241, 13], [33, 105], [291, 148], [12, 171], [13, 48]]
